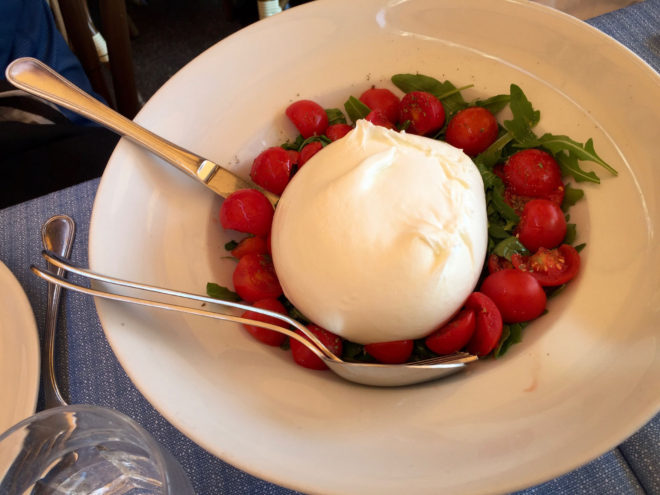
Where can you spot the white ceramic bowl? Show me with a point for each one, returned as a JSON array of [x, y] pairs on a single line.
[[586, 375]]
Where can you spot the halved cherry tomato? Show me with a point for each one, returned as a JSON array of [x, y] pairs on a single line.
[[247, 210], [534, 173], [337, 131], [453, 336], [306, 358], [308, 116], [376, 117], [488, 325], [254, 278], [472, 129], [542, 224], [424, 112], [394, 352], [497, 263], [268, 337], [308, 151], [271, 169], [384, 100], [517, 295], [250, 245], [551, 267]]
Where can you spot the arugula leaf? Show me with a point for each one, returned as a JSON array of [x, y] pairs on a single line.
[[524, 118], [494, 104], [335, 116], [219, 292], [571, 233], [296, 145], [493, 154], [571, 196], [511, 334], [449, 94], [569, 165], [510, 246], [355, 109], [231, 245], [555, 144]]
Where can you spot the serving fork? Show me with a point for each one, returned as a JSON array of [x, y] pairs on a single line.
[[374, 374]]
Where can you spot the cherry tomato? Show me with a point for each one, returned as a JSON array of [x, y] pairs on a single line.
[[293, 156], [269, 337], [424, 111], [473, 130], [542, 224], [453, 336], [497, 263], [534, 173], [271, 169], [254, 278], [517, 295], [384, 100], [376, 117], [337, 131], [551, 267], [309, 117], [308, 151], [250, 245], [247, 210], [488, 324], [306, 358], [394, 352]]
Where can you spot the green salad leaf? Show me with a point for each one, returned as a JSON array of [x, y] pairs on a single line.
[[219, 292], [355, 109], [335, 116]]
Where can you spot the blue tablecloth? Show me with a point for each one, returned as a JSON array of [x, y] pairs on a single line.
[[94, 376]]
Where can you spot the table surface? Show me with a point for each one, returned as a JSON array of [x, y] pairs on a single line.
[[89, 372]]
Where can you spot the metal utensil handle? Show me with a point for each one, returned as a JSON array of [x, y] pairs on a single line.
[[58, 262], [38, 79], [57, 234], [59, 281]]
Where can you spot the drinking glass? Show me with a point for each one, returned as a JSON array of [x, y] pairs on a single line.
[[83, 449]]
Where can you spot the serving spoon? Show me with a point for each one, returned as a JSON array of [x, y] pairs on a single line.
[[374, 374], [36, 78]]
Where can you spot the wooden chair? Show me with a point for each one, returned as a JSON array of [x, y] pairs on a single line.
[[78, 28]]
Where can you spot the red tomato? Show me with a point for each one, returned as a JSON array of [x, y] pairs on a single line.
[[271, 169], [394, 352], [376, 117], [306, 358], [542, 224], [453, 336], [269, 337], [517, 295], [497, 263], [534, 173], [424, 111], [250, 245], [337, 131], [293, 156], [308, 151], [551, 267], [309, 117], [247, 210], [473, 130], [254, 278], [488, 325], [384, 100]]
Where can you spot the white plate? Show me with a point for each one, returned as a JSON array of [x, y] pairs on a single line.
[[19, 352], [587, 374]]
